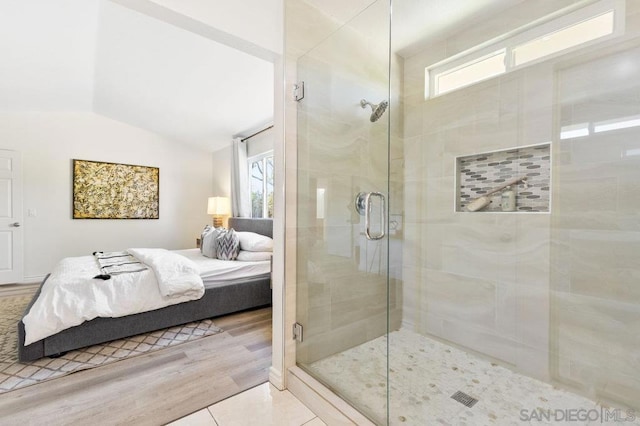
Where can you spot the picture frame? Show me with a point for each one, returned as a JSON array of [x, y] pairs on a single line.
[[104, 190]]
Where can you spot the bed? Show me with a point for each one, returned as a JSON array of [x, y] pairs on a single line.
[[220, 298]]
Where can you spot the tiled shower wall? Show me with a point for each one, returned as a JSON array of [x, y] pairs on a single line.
[[479, 174], [553, 296], [478, 280], [595, 238]]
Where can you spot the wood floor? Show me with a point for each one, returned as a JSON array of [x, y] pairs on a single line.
[[155, 388], [18, 289]]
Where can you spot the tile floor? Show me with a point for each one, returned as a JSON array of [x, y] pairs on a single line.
[[430, 372], [263, 405], [425, 373]]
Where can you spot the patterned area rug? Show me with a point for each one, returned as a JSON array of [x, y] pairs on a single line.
[[14, 374]]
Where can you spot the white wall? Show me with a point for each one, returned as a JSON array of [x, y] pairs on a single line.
[[261, 143], [48, 51], [49, 141], [221, 163], [256, 21]]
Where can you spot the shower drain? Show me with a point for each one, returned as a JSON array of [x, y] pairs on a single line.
[[464, 399]]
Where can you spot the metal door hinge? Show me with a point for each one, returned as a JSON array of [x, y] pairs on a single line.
[[297, 332], [298, 91]]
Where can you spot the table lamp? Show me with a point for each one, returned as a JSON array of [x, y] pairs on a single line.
[[218, 207]]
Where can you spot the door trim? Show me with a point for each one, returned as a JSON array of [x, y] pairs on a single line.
[[16, 273]]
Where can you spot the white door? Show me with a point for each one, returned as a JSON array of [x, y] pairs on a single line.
[[10, 217]]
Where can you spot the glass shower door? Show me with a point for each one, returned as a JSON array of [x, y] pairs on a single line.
[[522, 306], [343, 181]]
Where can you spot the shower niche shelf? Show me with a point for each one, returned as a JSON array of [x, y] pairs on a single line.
[[478, 174]]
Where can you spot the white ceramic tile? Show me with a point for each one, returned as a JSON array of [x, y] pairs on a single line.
[[199, 418], [263, 405]]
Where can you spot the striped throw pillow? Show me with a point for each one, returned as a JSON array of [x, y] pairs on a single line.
[[208, 241], [228, 245]]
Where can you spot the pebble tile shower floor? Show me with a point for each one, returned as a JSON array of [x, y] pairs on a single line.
[[425, 373]]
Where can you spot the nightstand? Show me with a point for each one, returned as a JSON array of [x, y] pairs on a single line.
[[197, 242]]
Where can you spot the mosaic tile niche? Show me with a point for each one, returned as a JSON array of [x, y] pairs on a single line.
[[478, 174]]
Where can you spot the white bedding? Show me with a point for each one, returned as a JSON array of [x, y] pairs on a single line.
[[176, 275], [71, 296], [214, 270]]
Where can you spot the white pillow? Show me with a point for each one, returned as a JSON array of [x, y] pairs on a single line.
[[207, 229], [250, 241], [253, 256]]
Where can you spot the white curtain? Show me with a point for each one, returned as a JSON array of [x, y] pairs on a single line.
[[240, 191]]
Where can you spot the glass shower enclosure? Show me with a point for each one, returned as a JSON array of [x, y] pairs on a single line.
[[468, 207], [343, 195]]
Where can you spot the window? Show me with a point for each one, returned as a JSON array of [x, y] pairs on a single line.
[[261, 181], [571, 36], [471, 72], [555, 36]]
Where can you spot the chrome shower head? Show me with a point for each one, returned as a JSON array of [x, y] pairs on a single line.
[[376, 110]]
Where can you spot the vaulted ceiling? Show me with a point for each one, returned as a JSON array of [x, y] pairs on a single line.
[[99, 56]]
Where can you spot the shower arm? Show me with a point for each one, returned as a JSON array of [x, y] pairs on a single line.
[[503, 186]]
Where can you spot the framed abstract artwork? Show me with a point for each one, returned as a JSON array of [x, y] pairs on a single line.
[[115, 191]]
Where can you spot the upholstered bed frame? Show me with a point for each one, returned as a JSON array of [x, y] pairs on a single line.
[[219, 300]]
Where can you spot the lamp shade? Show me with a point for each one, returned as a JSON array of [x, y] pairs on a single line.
[[219, 206]]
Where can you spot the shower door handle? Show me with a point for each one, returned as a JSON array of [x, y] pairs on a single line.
[[367, 215]]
